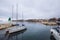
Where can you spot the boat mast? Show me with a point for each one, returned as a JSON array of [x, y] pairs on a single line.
[[10, 18], [17, 12], [22, 16], [12, 12]]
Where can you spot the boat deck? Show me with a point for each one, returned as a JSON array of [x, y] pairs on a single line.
[[15, 29]]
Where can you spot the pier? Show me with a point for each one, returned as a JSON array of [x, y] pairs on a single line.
[[4, 26]]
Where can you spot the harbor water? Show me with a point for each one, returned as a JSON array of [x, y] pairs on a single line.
[[34, 31]]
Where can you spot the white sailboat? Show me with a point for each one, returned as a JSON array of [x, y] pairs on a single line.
[[16, 28]]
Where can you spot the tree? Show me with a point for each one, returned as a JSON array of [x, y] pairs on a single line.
[[9, 19], [58, 19], [53, 19]]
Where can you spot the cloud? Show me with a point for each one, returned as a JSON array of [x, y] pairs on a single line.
[[30, 8]]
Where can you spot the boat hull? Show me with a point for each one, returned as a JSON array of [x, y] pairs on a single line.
[[15, 29], [54, 34]]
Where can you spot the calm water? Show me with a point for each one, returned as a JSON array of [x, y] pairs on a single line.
[[35, 31]]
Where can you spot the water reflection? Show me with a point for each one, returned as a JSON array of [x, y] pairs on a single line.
[[15, 35]]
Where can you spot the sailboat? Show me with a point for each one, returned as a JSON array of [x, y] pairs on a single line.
[[16, 28]]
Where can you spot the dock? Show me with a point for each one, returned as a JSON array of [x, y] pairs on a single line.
[[4, 26]]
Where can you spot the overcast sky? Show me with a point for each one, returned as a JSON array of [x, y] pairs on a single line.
[[31, 8]]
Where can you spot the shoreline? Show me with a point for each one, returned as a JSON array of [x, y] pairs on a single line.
[[50, 23], [39, 21]]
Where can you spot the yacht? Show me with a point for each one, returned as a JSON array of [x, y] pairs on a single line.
[[55, 32]]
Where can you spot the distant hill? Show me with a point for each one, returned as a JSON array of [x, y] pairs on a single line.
[[38, 20]]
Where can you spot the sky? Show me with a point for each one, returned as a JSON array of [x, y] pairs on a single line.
[[31, 9]]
